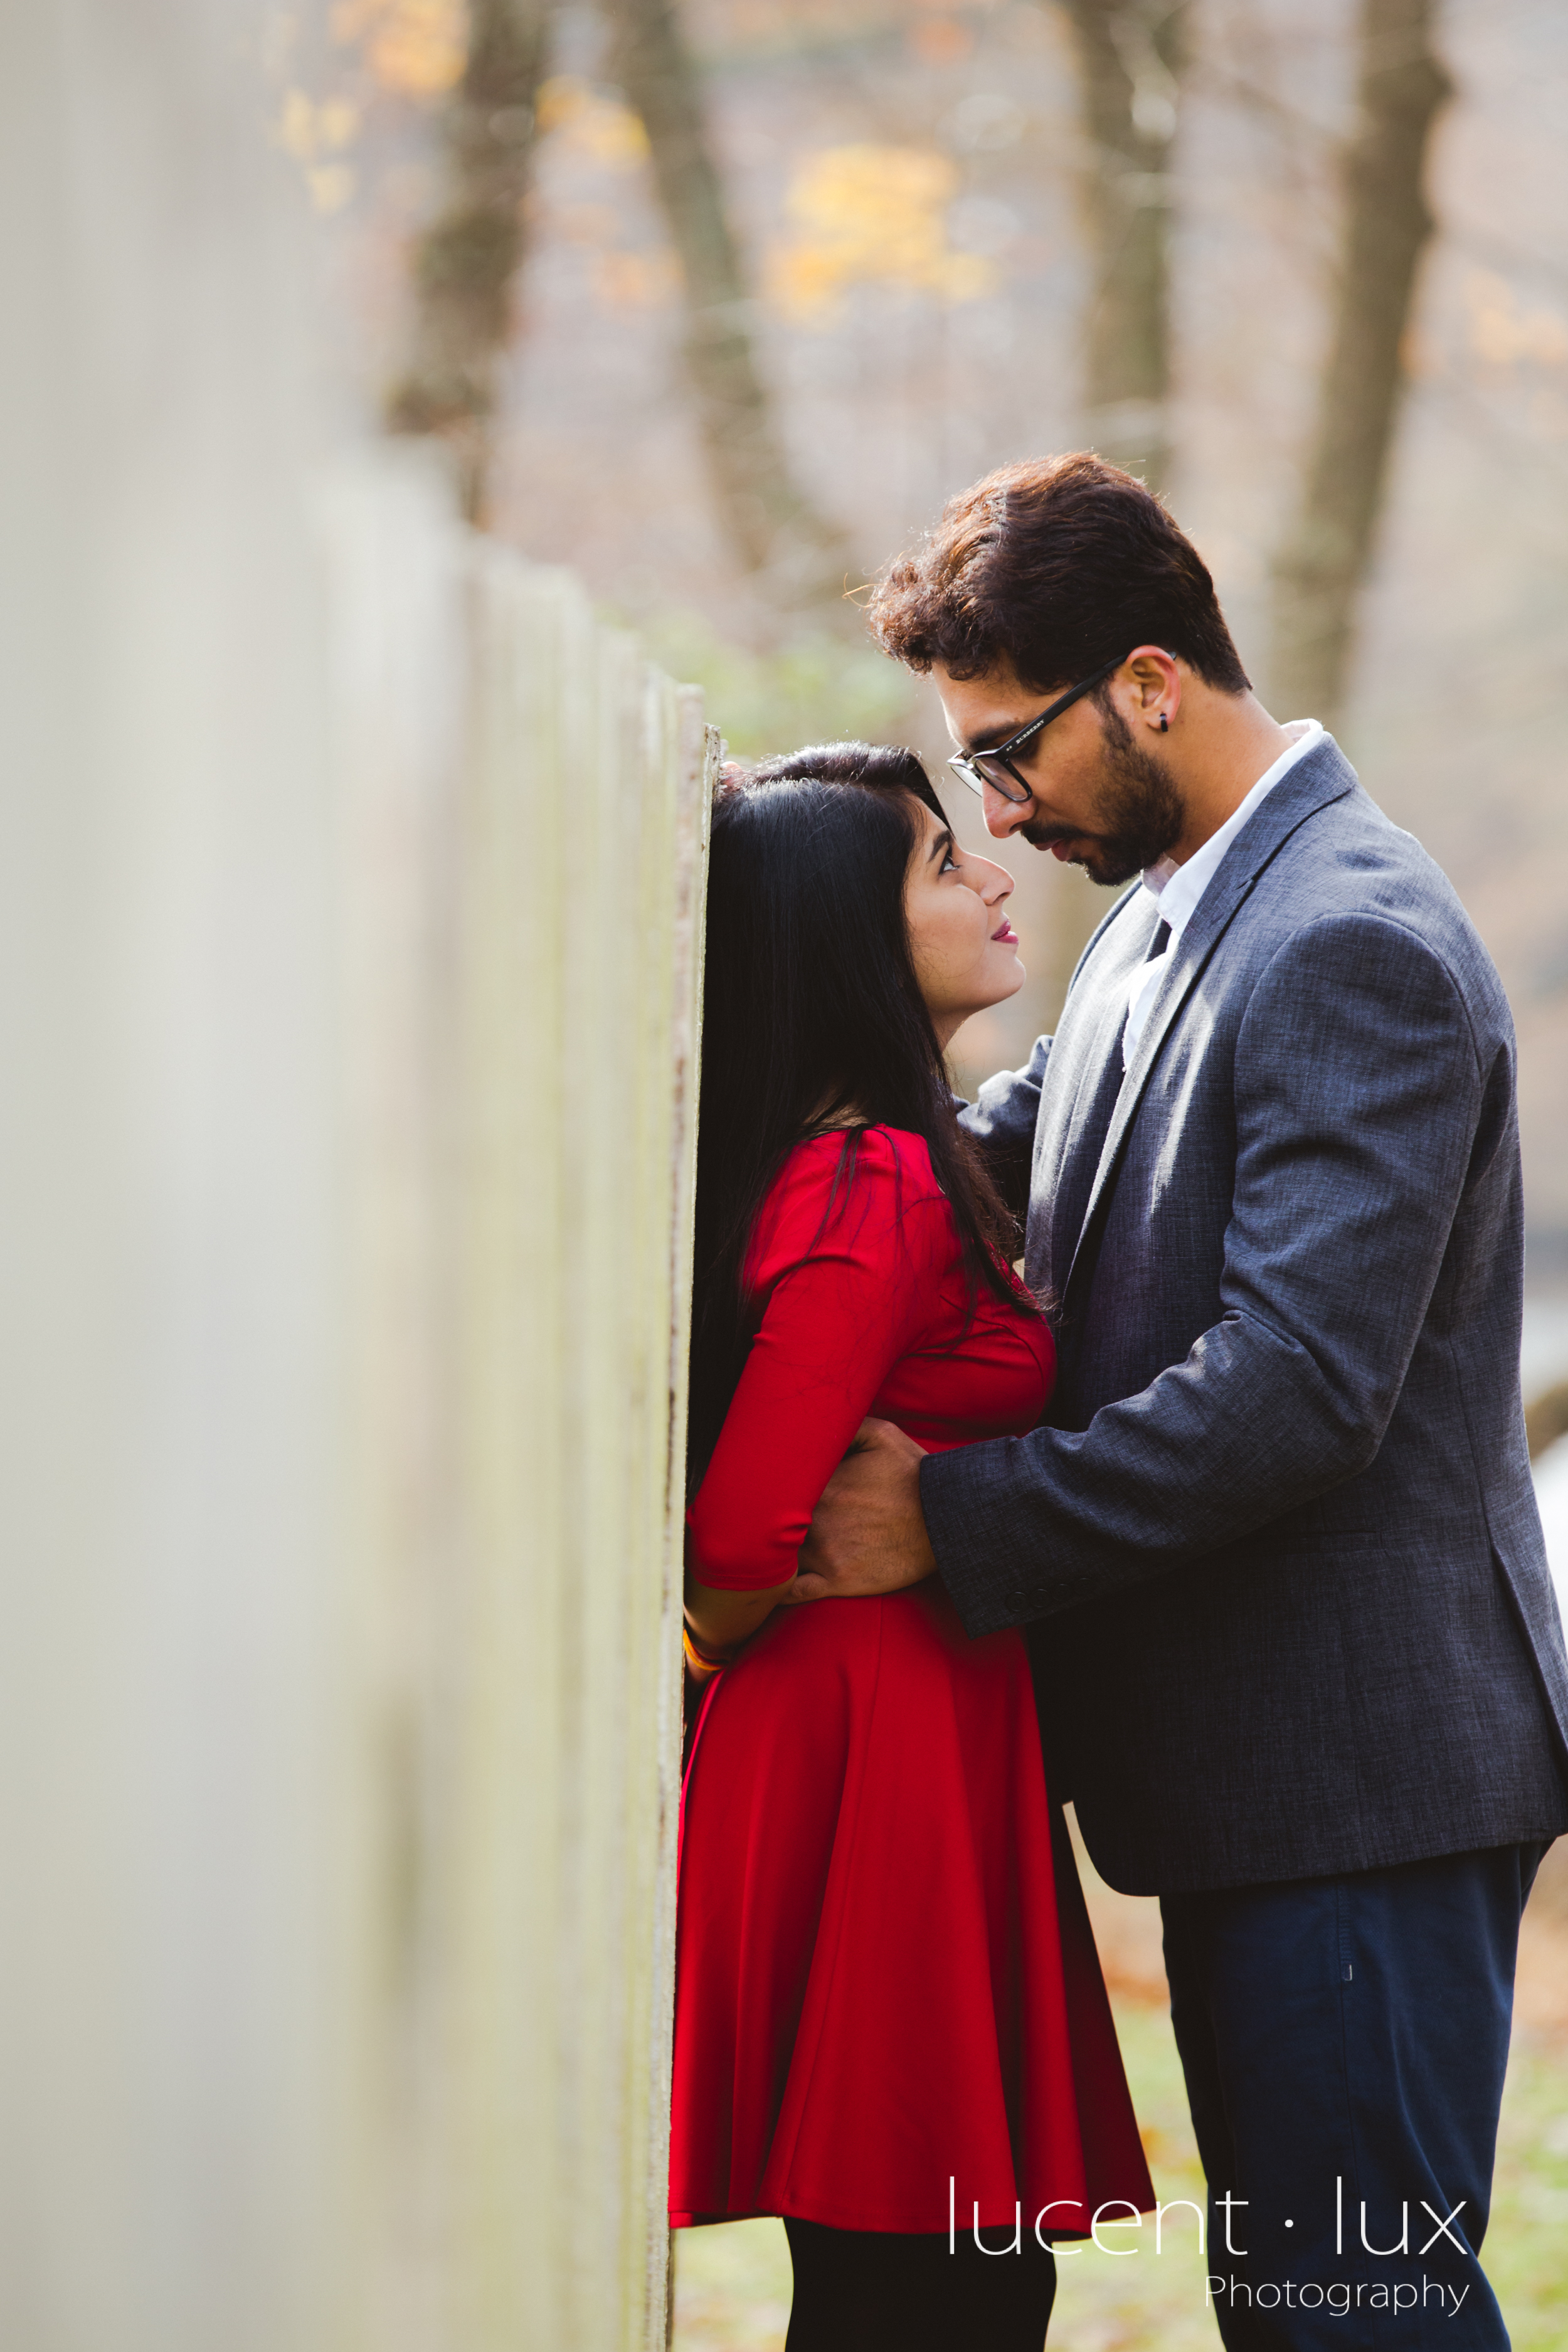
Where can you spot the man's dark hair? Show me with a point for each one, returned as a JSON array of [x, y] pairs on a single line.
[[1057, 565]]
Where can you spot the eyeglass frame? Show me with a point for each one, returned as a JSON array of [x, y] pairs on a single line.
[[963, 762]]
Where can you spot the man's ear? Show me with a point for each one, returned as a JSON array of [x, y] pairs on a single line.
[[1156, 678]]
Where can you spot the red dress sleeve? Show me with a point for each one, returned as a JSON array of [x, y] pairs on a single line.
[[850, 1284]]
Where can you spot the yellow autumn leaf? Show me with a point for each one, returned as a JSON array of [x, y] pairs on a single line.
[[965, 277], [595, 126], [306, 130], [865, 215], [330, 185], [804, 280], [337, 123], [416, 48], [1503, 331], [297, 125]]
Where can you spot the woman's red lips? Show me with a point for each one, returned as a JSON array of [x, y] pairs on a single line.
[[1006, 932]]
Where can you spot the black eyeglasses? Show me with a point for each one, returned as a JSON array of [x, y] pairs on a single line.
[[977, 769]]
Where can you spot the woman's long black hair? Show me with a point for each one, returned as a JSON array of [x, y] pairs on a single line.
[[813, 1018]]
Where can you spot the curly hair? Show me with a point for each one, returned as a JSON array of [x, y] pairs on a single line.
[[1055, 567]]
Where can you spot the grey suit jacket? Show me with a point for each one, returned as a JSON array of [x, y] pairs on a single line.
[[1276, 1544]]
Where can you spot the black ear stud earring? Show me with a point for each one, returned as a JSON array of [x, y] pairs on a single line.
[[1164, 724]]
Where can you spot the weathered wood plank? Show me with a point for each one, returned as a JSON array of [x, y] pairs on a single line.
[[546, 987]]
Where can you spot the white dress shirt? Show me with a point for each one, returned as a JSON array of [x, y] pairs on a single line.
[[1176, 889]]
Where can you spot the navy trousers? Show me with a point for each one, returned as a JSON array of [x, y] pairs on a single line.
[[1344, 2041]]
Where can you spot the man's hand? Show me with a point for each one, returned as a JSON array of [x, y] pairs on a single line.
[[868, 1535]]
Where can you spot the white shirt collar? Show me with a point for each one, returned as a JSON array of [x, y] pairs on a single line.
[[1176, 889]]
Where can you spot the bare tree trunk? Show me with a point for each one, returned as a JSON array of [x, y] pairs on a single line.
[[466, 261], [767, 520], [1131, 53], [1321, 565]]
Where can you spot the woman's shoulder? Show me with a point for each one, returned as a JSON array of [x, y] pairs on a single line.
[[885, 1158], [851, 1190]]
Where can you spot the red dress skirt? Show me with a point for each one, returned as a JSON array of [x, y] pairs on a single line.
[[889, 2013]]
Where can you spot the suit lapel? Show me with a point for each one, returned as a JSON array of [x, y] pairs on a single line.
[[1080, 1091], [1323, 776]]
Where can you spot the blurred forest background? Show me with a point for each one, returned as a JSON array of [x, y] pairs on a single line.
[[719, 303]]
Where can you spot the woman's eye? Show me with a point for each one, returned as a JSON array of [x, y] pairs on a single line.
[[950, 864]]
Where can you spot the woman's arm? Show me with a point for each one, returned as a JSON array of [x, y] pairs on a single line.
[[842, 1306], [719, 1621]]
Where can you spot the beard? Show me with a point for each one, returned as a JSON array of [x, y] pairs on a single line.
[[1139, 812]]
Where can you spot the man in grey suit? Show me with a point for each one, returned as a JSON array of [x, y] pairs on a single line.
[[1299, 1659]]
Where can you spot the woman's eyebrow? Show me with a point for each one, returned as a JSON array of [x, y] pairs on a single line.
[[942, 840]]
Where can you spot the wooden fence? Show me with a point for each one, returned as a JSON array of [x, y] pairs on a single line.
[[527, 812], [351, 883]]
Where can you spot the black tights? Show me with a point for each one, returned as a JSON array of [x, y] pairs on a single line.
[[877, 2291]]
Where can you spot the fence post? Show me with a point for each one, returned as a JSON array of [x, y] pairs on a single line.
[[350, 879], [549, 944]]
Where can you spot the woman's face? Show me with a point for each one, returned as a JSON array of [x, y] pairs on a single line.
[[965, 951]]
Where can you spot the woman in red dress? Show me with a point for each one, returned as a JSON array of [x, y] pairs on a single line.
[[890, 2023]]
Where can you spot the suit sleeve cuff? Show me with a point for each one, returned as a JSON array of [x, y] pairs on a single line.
[[984, 1589]]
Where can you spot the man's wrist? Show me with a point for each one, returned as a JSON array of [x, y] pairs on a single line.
[[920, 1469]]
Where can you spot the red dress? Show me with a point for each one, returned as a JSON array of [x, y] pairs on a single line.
[[887, 1992]]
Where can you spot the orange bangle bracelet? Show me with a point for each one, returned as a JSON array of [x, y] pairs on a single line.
[[700, 1669]]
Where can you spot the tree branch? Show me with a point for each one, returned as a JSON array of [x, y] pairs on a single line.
[[1320, 566], [771, 524], [1131, 53], [467, 261]]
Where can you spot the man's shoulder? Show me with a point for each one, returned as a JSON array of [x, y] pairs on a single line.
[[1369, 857], [1348, 860]]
